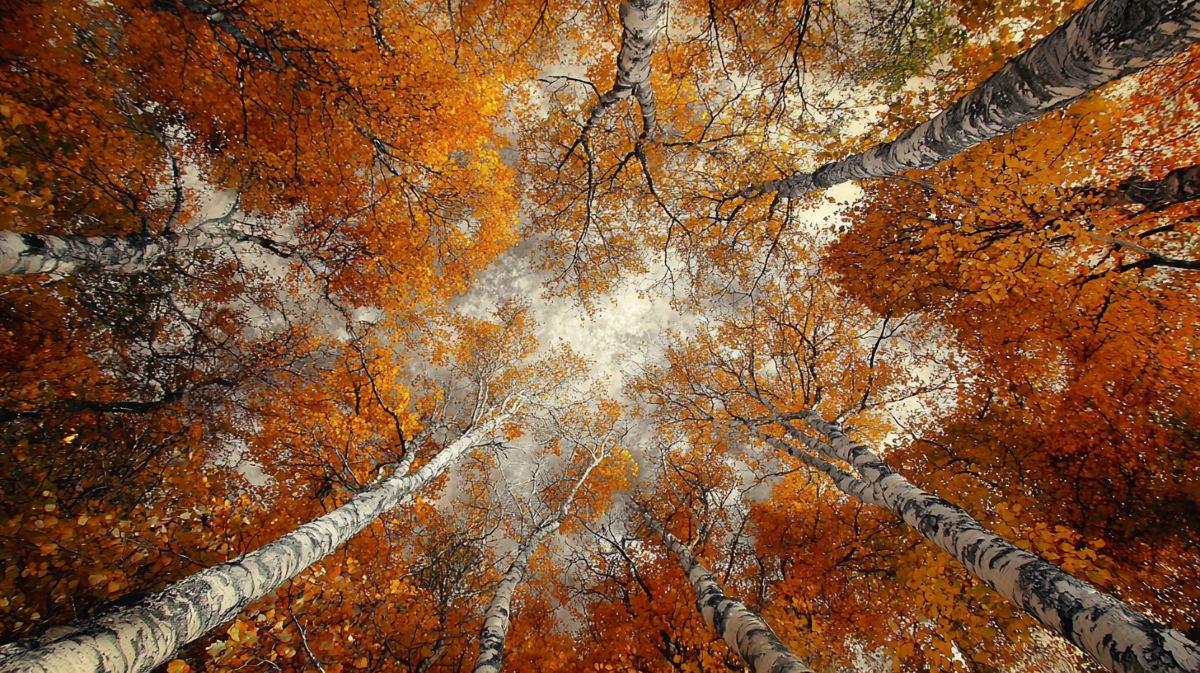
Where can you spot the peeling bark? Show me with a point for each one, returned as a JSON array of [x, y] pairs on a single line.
[[495, 621], [745, 632], [1105, 41], [1123, 640], [639, 24], [70, 255], [148, 633]]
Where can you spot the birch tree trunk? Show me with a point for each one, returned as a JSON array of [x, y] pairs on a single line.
[[1121, 639], [639, 34], [745, 632], [140, 637], [1104, 41], [495, 621], [69, 255]]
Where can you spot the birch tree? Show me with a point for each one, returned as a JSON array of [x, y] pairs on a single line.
[[297, 111], [149, 633], [1103, 42], [632, 614], [71, 255], [593, 437], [1060, 258], [640, 23], [496, 619], [733, 385], [488, 361], [688, 202], [1117, 636], [745, 632]]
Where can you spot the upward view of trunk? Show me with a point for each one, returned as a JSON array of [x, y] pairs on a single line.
[[639, 33], [495, 622], [1120, 638], [1104, 41], [745, 632], [69, 255], [147, 634]]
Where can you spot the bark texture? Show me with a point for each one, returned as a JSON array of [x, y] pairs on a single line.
[[1181, 184], [639, 25], [1118, 637], [745, 632], [495, 621], [147, 634], [69, 255], [1104, 41]]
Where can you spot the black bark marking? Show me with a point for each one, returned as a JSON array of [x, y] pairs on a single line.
[[970, 553]]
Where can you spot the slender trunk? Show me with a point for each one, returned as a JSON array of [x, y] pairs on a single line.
[[495, 621], [745, 632], [639, 26], [1118, 637], [1104, 41], [1181, 184], [138, 638], [439, 648], [70, 255]]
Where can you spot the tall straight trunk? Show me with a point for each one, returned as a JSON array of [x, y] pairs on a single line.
[[1104, 41], [1120, 638], [140, 637], [639, 34], [495, 621], [69, 255], [745, 632]]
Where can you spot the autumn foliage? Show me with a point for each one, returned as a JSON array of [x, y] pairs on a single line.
[[1013, 330]]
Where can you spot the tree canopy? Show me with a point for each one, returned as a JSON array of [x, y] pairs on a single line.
[[926, 398]]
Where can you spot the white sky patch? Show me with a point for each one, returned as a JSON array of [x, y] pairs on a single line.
[[623, 333]]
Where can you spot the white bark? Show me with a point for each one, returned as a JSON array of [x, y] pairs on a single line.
[[495, 621], [69, 255], [1121, 639], [745, 632], [639, 23], [843, 480], [439, 648], [138, 638], [1104, 41]]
